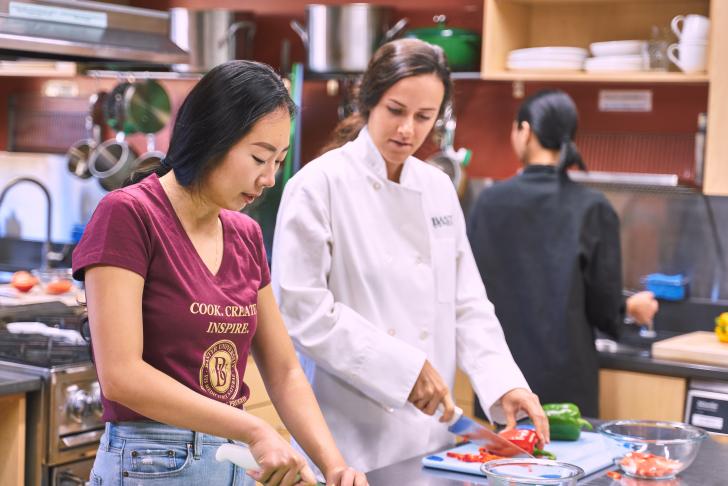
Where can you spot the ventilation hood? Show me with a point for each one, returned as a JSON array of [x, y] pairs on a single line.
[[86, 31]]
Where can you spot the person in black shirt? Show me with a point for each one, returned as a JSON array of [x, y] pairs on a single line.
[[548, 252]]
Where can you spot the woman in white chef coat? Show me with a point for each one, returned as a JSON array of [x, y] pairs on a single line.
[[377, 282]]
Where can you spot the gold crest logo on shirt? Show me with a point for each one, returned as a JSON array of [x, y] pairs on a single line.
[[219, 372]]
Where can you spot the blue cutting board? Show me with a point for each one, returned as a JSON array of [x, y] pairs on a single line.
[[592, 452]]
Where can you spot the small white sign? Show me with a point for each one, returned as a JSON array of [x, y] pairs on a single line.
[[707, 421], [631, 100], [57, 14]]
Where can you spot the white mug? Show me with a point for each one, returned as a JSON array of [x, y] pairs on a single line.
[[690, 57], [695, 27]]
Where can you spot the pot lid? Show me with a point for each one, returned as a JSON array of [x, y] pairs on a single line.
[[441, 30]]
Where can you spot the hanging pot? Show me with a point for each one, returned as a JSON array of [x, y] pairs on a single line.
[[342, 38], [115, 109], [112, 162], [462, 47], [77, 156], [211, 37], [146, 106]]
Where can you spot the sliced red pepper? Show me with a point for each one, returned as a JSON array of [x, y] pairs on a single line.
[[526, 439], [483, 456]]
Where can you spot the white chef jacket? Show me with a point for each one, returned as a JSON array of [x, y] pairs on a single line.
[[374, 277]]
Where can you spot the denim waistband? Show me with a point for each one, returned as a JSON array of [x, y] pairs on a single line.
[[162, 432]]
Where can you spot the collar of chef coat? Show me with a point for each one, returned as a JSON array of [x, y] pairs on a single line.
[[372, 158]]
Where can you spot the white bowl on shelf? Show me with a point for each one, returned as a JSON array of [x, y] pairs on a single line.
[[544, 65], [615, 64], [618, 48], [551, 56], [550, 50]]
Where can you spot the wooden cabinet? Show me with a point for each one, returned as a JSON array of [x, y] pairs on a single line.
[[463, 394], [716, 152], [259, 403], [12, 440], [514, 24], [632, 395]]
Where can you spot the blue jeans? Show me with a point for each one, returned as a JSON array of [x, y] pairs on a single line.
[[141, 453]]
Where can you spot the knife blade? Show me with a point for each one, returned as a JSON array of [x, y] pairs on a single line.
[[466, 427]]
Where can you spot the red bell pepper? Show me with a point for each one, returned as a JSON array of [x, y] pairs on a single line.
[[526, 439]]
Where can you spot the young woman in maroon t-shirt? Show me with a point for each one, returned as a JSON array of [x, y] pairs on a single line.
[[178, 295]]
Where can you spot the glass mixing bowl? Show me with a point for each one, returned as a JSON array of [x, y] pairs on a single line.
[[55, 280], [521, 472], [652, 449]]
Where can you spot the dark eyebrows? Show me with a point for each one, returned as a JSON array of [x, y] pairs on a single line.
[[269, 147], [405, 106]]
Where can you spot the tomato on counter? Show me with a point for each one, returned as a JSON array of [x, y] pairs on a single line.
[[59, 286], [23, 281]]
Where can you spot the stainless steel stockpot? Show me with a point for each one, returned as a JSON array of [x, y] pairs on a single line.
[[342, 38]]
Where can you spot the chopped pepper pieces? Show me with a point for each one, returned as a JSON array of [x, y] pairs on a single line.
[[482, 456], [565, 422], [646, 465]]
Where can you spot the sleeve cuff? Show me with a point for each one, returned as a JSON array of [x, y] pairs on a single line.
[[376, 377], [497, 385]]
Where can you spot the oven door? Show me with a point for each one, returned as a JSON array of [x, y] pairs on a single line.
[[75, 425], [71, 474]]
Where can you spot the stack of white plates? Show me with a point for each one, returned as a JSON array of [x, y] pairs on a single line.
[[547, 59], [617, 56]]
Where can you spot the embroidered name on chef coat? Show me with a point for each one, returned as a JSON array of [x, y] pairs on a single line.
[[440, 221]]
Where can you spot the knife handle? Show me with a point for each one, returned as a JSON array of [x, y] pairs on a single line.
[[455, 416], [238, 455], [241, 457]]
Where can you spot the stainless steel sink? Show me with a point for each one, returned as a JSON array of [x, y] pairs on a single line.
[[614, 347]]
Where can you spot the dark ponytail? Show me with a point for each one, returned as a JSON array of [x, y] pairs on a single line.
[[392, 62], [147, 168], [553, 118]]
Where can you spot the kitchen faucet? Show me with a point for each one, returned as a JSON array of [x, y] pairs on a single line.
[[46, 250]]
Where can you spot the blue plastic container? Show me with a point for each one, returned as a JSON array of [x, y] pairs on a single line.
[[667, 287]]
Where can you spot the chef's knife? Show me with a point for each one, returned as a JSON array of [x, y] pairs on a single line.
[[466, 427], [240, 456]]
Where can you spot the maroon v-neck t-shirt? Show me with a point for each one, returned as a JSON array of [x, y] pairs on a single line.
[[197, 326]]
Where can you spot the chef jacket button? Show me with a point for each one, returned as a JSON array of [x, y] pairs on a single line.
[[424, 335], [377, 186], [391, 332], [418, 260]]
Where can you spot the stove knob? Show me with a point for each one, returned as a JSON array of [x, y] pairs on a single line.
[[77, 405], [95, 399]]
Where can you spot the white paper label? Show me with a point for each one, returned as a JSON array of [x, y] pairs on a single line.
[[632, 100], [707, 421], [57, 14]]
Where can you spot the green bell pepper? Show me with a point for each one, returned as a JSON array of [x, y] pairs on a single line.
[[565, 422]]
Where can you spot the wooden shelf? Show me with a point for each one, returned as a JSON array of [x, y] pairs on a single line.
[[38, 68], [573, 76], [517, 24]]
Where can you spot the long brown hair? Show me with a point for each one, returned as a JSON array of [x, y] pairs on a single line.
[[391, 63]]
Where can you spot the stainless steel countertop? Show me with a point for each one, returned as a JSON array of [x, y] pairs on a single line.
[[12, 382], [709, 469]]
